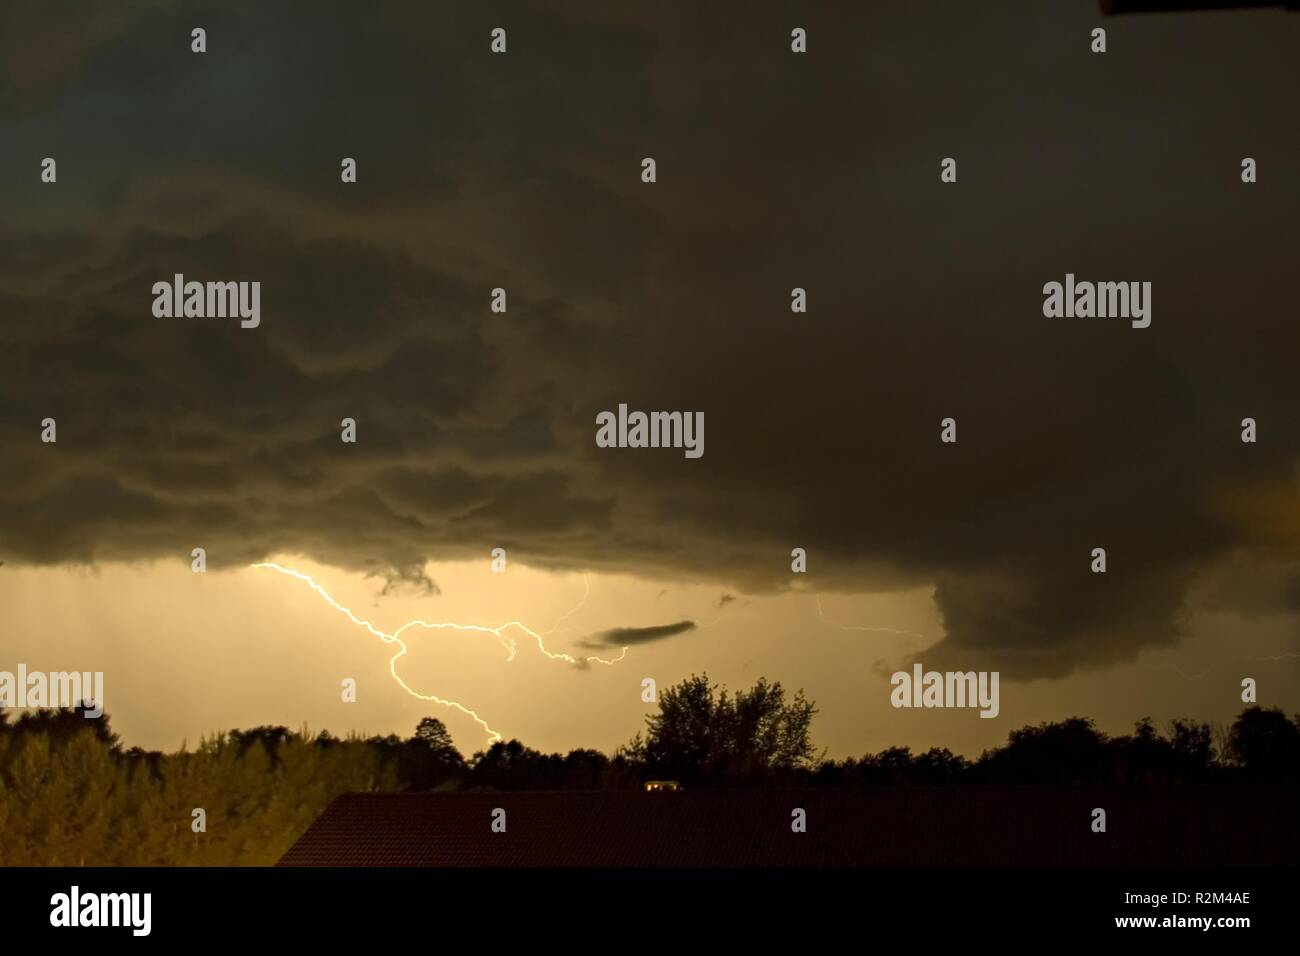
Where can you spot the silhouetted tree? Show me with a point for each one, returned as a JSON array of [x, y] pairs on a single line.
[[509, 765], [1266, 744], [64, 723], [70, 795], [938, 766], [1070, 751], [270, 737], [1193, 748], [432, 734], [429, 758], [702, 735], [584, 769]]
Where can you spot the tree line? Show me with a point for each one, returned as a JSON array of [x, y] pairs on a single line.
[[71, 794]]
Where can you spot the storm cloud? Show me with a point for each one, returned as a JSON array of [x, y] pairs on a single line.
[[476, 429]]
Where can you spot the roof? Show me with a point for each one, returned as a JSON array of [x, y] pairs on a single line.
[[874, 826]]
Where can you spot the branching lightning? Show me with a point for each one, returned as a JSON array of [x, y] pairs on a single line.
[[861, 627], [504, 634]]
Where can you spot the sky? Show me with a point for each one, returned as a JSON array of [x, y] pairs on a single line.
[[476, 430]]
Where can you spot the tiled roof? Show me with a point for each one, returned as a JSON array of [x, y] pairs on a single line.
[[877, 826]]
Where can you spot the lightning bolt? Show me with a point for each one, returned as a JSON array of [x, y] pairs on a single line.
[[586, 593], [861, 627], [503, 633], [1229, 660]]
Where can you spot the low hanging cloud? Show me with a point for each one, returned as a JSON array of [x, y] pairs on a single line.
[[629, 636]]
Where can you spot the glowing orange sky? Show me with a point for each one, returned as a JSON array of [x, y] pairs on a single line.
[[185, 654]]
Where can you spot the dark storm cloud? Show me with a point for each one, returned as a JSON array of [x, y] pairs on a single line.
[[476, 430], [627, 636]]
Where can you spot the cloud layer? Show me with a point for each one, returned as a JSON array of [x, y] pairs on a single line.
[[476, 430]]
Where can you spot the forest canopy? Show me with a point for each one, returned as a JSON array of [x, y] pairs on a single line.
[[72, 794]]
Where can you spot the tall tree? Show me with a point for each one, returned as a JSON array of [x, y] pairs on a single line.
[[432, 733], [1266, 744], [703, 735]]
